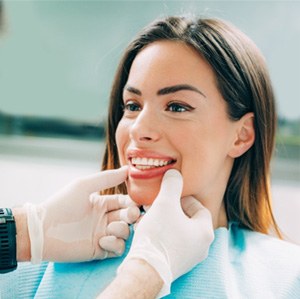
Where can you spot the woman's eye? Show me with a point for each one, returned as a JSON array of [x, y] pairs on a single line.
[[132, 106], [177, 107]]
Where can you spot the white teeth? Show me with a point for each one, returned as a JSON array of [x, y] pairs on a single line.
[[142, 167], [144, 163]]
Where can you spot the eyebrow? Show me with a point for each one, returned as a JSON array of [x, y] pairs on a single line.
[[167, 90]]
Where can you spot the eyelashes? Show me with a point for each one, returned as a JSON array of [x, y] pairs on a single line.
[[131, 106], [174, 107], [178, 107]]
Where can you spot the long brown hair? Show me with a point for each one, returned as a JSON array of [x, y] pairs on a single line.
[[244, 83]]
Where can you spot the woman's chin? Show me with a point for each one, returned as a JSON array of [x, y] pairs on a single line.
[[143, 193], [141, 199]]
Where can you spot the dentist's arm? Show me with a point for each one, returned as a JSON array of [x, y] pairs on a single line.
[[69, 226], [172, 237], [138, 280]]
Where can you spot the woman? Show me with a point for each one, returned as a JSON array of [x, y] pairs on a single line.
[[239, 86], [195, 95]]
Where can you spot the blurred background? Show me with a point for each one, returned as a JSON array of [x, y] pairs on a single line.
[[57, 62]]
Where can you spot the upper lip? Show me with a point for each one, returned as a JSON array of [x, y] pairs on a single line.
[[139, 153]]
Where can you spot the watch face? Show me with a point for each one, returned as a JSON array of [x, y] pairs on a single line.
[[8, 248]]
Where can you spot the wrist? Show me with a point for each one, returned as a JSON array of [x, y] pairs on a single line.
[[155, 258], [136, 279], [138, 269], [23, 241]]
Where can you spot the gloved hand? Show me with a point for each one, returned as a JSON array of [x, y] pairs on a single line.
[[71, 225], [170, 237]]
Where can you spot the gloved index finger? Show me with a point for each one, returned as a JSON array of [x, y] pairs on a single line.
[[191, 205], [118, 201], [105, 179]]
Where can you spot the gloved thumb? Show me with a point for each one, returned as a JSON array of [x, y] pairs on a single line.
[[170, 190]]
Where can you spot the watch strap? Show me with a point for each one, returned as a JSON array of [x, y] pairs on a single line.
[[8, 246]]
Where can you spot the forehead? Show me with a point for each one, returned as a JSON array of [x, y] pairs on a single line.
[[170, 62]]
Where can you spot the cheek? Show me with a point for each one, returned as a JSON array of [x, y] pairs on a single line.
[[193, 173], [197, 162], [203, 168], [121, 141]]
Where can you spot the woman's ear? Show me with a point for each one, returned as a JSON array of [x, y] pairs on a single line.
[[245, 136]]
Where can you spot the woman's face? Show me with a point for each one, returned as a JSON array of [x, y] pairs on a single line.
[[174, 117]]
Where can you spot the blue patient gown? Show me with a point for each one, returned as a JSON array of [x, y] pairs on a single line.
[[241, 264]]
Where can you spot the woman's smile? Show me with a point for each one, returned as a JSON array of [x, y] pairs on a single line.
[[148, 164]]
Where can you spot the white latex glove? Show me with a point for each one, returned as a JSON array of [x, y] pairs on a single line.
[[71, 225], [171, 240]]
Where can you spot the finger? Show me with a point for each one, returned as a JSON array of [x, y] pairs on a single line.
[[199, 213], [119, 201], [119, 229], [113, 244], [203, 219], [105, 179], [171, 188], [112, 201], [203, 215], [105, 254], [129, 215], [190, 205], [102, 255]]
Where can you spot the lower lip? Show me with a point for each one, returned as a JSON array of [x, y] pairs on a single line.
[[150, 173]]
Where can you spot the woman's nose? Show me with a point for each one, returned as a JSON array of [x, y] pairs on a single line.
[[145, 127]]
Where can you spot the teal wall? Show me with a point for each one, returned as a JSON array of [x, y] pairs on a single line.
[[57, 58]]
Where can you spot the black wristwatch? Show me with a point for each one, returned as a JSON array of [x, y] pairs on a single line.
[[8, 246]]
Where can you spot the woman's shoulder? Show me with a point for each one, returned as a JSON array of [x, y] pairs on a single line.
[[264, 248], [244, 264]]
